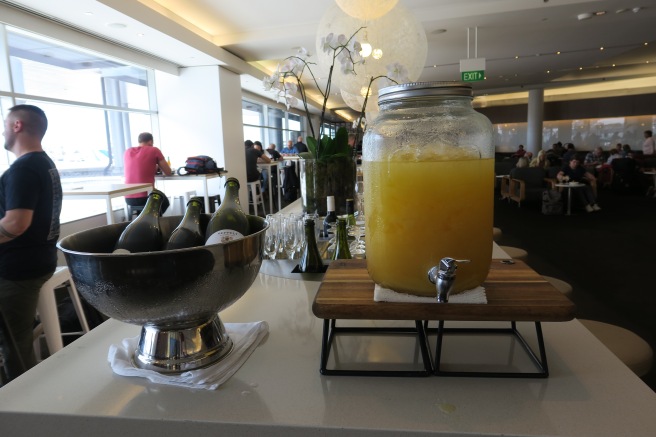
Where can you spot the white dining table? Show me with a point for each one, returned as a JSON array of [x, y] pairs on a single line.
[[162, 182], [103, 190]]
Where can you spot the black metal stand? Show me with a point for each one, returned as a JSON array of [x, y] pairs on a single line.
[[421, 330], [540, 363], [330, 330]]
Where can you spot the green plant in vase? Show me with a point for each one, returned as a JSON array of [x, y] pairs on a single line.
[[328, 168]]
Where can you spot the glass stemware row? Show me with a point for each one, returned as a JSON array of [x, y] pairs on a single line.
[[285, 237]]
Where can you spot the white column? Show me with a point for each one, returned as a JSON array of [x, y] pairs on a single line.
[[200, 114], [535, 119]]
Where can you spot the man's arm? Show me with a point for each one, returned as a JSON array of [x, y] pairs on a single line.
[[264, 158], [164, 166], [15, 223]]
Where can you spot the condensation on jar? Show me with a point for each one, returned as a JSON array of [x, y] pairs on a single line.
[[428, 169]]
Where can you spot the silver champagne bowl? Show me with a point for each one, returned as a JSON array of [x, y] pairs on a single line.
[[175, 295]]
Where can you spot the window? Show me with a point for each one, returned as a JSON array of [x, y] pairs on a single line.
[[96, 106], [280, 126]]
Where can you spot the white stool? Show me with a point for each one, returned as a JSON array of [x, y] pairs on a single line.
[[47, 310], [256, 196], [515, 252], [628, 346], [559, 285]]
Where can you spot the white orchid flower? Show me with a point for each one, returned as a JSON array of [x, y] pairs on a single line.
[[326, 43], [291, 87], [269, 82], [290, 101], [347, 67], [397, 72], [302, 53], [341, 40]]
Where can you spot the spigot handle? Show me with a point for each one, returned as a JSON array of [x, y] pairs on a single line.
[[444, 275]]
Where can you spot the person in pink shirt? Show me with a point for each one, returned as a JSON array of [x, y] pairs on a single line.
[[141, 164]]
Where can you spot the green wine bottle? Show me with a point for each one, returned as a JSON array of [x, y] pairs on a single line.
[[342, 250], [188, 233], [350, 212], [143, 234], [311, 258], [229, 221], [330, 218]]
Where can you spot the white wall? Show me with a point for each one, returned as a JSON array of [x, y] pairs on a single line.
[[200, 114]]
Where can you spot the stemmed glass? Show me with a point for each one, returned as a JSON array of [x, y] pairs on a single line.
[[272, 239], [290, 235]]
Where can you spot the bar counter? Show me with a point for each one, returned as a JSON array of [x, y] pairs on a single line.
[[279, 391]]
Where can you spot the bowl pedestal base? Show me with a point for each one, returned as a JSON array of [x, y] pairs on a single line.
[[173, 349]]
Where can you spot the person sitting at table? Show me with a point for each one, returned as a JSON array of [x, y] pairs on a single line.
[[574, 172], [253, 156], [569, 154], [300, 145], [520, 152], [540, 160], [273, 153], [289, 149], [140, 165], [594, 158], [522, 162]]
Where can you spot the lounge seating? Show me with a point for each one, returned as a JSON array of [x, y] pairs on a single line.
[[527, 184]]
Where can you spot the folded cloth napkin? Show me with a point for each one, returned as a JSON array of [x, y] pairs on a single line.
[[245, 337], [475, 295]]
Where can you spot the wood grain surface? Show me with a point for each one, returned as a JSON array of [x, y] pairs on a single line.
[[514, 292]]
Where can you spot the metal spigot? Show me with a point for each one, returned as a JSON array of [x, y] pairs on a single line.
[[443, 276]]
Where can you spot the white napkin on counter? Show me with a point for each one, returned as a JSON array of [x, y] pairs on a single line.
[[245, 337], [475, 295]]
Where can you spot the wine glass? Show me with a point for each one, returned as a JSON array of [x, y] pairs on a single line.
[[272, 239], [290, 234]]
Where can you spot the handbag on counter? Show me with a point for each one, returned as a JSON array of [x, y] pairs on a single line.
[[200, 164]]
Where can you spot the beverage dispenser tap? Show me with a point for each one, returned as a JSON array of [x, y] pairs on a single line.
[[443, 276]]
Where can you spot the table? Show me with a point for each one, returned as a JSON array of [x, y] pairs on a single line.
[[103, 190], [202, 178], [271, 167], [569, 194], [279, 391]]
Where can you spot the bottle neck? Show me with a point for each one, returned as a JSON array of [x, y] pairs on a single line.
[[153, 203]]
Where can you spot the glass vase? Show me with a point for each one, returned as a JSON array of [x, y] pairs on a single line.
[[330, 177]]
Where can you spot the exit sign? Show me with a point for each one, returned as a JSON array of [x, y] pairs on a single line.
[[473, 76]]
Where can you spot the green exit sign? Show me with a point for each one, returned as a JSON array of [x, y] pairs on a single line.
[[473, 76]]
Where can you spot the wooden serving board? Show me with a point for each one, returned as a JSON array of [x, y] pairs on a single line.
[[514, 292]]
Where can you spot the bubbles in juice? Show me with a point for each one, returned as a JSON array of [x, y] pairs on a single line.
[[420, 212]]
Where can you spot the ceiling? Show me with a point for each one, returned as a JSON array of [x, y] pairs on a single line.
[[526, 43]]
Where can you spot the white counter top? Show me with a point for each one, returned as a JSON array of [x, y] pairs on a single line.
[[279, 390]]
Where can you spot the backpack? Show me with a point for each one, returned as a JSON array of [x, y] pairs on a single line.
[[552, 202], [200, 164]]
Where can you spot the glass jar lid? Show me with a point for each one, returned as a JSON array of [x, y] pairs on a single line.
[[422, 90]]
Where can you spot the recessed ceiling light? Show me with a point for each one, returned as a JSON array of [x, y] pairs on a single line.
[[558, 52], [116, 25], [599, 13], [438, 31], [636, 10], [619, 11], [584, 16], [88, 13], [140, 34], [601, 48]]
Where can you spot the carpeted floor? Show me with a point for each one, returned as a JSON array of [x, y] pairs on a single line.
[[609, 257]]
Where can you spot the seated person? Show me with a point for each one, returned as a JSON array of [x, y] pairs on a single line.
[[540, 160], [520, 152], [273, 153], [289, 149], [253, 156], [594, 158], [574, 172], [569, 154], [140, 165]]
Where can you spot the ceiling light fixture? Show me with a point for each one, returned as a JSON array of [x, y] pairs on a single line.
[[377, 53], [116, 25], [600, 13], [584, 16]]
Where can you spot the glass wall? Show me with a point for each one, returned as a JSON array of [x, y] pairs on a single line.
[[270, 125], [96, 106], [585, 134]]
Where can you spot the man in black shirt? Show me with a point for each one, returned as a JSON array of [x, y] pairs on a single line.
[[253, 156], [300, 145], [30, 204]]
